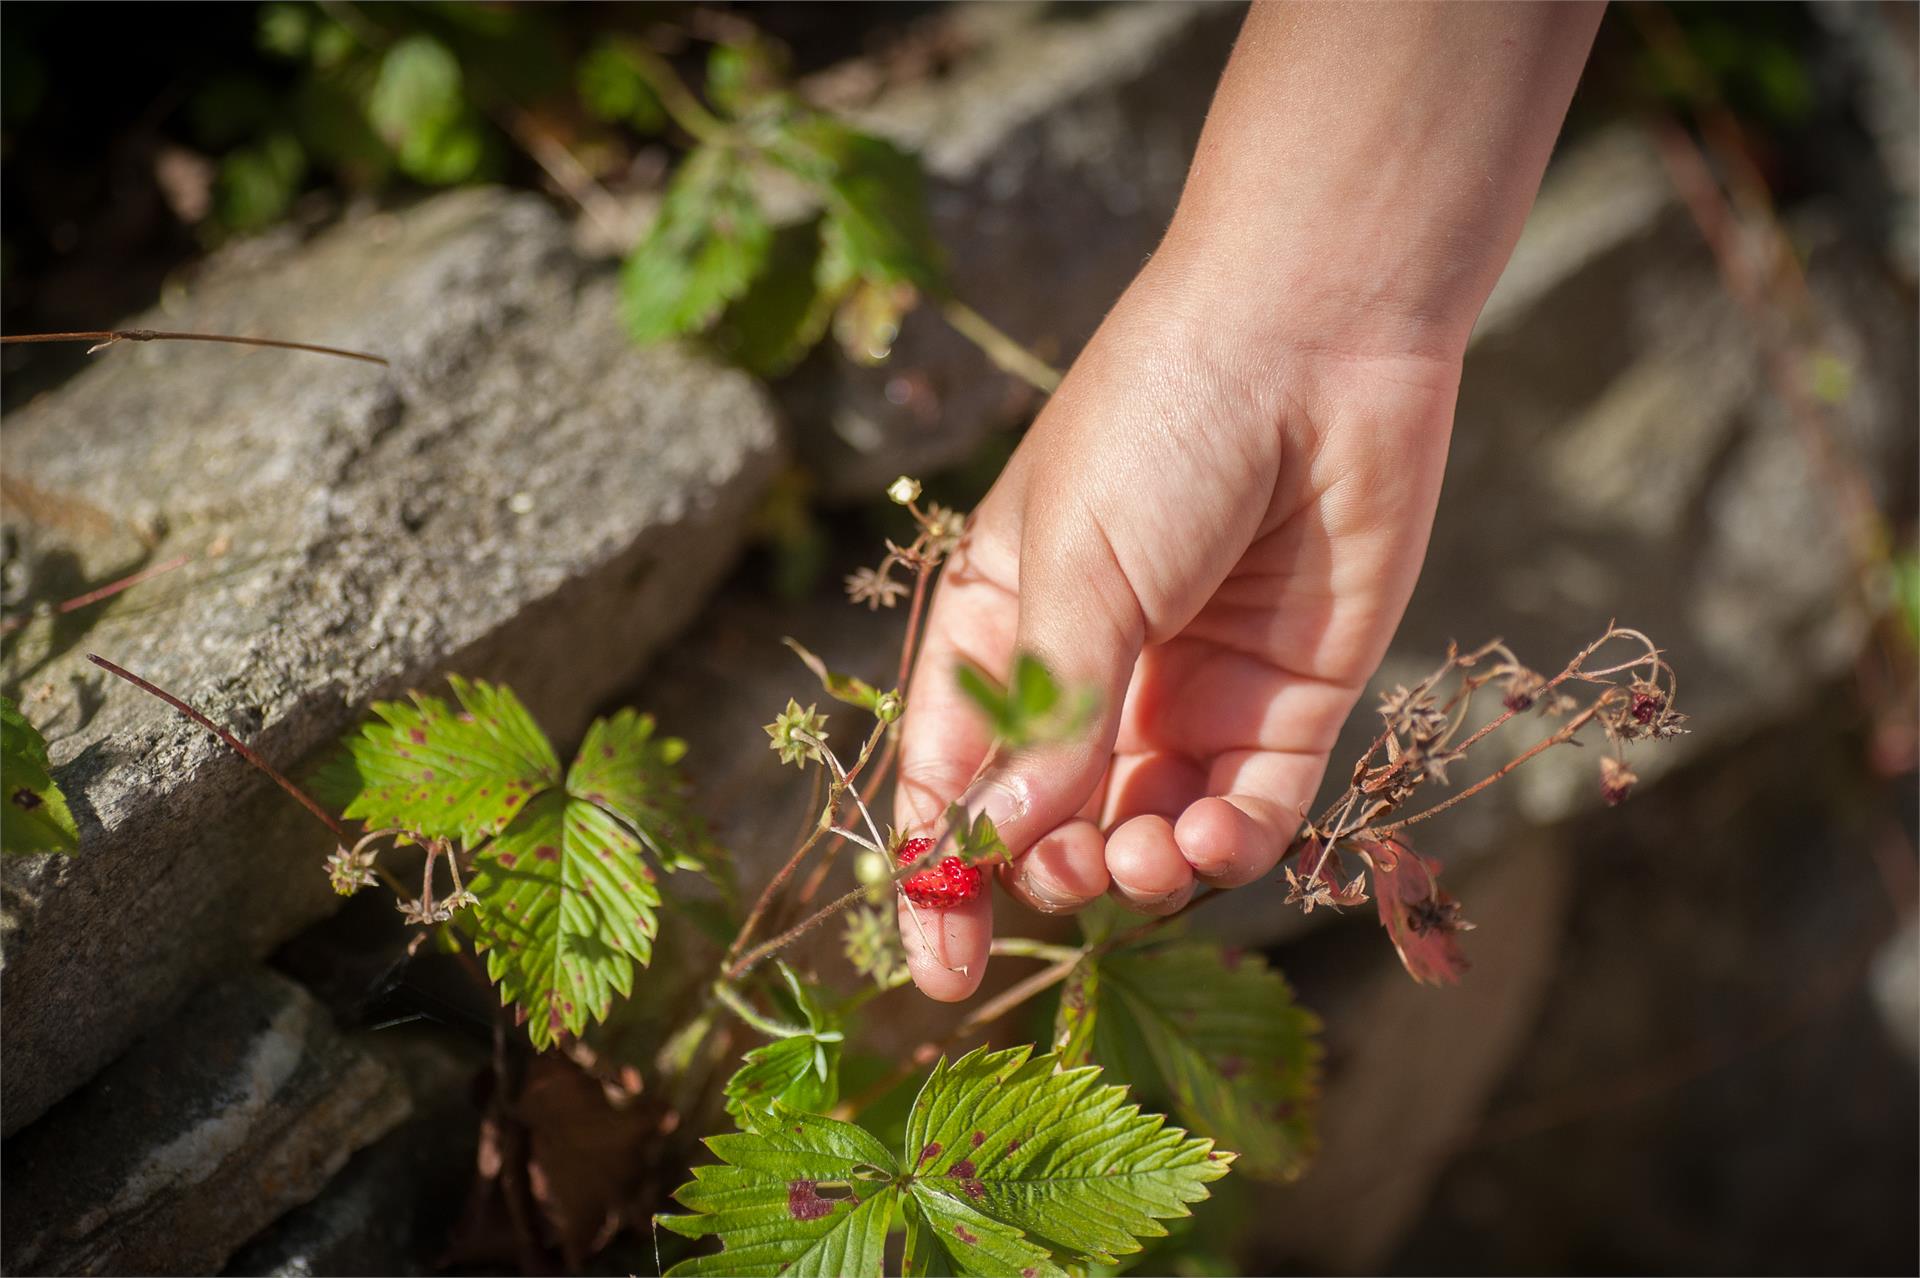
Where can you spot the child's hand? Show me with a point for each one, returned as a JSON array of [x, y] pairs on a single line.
[[1218, 519], [1221, 550]]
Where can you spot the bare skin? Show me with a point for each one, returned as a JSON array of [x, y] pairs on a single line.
[[1217, 521]]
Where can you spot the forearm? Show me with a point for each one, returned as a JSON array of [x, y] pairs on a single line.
[[1366, 169]]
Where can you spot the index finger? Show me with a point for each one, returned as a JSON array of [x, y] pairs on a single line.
[[943, 741]]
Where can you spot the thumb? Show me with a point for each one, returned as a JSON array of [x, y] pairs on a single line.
[[1080, 615]]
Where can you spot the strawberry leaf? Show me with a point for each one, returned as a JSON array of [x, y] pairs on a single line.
[[1058, 1156], [623, 767], [565, 902], [34, 817], [1216, 1035], [1010, 1166], [434, 772], [710, 241], [794, 1194], [566, 908], [801, 1072], [876, 200]]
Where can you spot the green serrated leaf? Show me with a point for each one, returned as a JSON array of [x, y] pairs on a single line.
[[1032, 708], [613, 87], [709, 242], [567, 907], [439, 773], [946, 1236], [1218, 1035], [795, 1194], [1010, 1165], [34, 817], [785, 311], [802, 1072], [876, 199], [623, 767], [1063, 1158]]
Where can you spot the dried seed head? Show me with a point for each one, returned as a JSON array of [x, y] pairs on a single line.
[[1647, 714], [874, 588], [1616, 781], [1413, 714], [1522, 687]]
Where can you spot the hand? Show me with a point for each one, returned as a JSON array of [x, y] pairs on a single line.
[[1217, 521], [1221, 548]]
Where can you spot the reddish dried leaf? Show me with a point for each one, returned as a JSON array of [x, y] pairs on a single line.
[[1420, 917]]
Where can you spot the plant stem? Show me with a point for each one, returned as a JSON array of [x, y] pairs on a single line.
[[107, 337], [747, 1012], [1565, 734], [754, 957], [685, 109], [107, 591], [1007, 354], [1027, 947], [232, 741]]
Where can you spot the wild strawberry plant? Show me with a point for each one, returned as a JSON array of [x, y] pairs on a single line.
[[1010, 1162]]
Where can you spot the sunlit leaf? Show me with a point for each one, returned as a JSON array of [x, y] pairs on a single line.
[[440, 772], [1009, 1166], [34, 816], [709, 242], [1215, 1034]]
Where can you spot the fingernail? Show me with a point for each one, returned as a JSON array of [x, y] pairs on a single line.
[[1002, 802], [1045, 895]]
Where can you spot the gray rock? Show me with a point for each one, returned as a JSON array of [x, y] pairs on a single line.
[[391, 1207], [1056, 153], [207, 1129], [524, 496]]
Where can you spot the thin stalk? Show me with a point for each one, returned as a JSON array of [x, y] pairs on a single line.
[[1007, 355], [233, 742], [752, 1015], [107, 591], [680, 103], [108, 337], [1027, 947], [1565, 734]]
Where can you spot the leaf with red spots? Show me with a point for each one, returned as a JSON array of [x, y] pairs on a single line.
[[33, 813], [1065, 1163], [626, 769], [794, 1194], [427, 769], [567, 906], [1009, 1167], [947, 1236], [1215, 1036]]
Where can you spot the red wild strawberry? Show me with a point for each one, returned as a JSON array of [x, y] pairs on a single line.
[[951, 882]]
